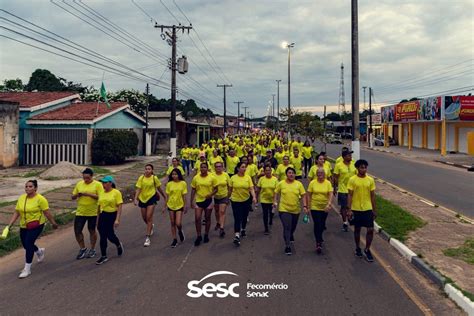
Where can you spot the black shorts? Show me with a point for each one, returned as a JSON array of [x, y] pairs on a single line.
[[363, 219], [80, 222], [178, 210], [224, 200], [152, 201], [342, 199], [204, 204]]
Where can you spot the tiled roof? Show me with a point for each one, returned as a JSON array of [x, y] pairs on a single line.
[[82, 111], [31, 99]]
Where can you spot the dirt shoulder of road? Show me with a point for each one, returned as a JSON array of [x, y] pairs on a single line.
[[442, 230]]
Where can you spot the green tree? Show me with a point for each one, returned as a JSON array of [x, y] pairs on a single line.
[[44, 80], [12, 85], [333, 117]]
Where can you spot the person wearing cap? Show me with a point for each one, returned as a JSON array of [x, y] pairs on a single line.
[[110, 211], [86, 192], [343, 171], [269, 158]]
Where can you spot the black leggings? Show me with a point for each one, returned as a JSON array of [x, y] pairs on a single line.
[[319, 219], [289, 222], [106, 231], [28, 238], [241, 212], [307, 165], [267, 214]]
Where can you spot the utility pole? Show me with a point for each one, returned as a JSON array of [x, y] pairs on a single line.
[[370, 118], [273, 110], [289, 46], [172, 39], [363, 88], [145, 139], [238, 114], [245, 118], [225, 86], [324, 128], [278, 104], [355, 80]]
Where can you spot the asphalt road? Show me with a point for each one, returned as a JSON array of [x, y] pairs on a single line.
[[447, 186], [154, 280]]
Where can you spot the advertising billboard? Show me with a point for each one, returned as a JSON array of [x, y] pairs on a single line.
[[459, 108], [430, 109], [387, 113], [407, 111]]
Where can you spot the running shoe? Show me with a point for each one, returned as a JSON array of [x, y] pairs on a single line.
[[217, 226], [40, 254], [24, 273], [266, 232], [91, 253], [358, 253], [292, 239], [222, 233], [288, 251], [319, 249], [152, 229], [174, 243], [243, 233], [147, 242], [120, 250], [206, 239], [82, 254], [237, 240], [345, 228], [368, 255], [102, 260], [181, 236], [198, 240]]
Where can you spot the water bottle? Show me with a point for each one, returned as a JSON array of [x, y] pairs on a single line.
[[306, 218], [5, 232]]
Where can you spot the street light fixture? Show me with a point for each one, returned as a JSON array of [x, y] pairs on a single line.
[[288, 46]]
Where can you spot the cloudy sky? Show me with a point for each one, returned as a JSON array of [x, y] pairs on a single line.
[[407, 48]]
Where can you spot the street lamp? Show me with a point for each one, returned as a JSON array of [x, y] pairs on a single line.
[[288, 46]]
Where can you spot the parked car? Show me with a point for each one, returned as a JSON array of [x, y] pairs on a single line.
[[334, 138], [346, 135], [380, 141]]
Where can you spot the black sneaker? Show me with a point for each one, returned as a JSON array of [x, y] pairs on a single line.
[[345, 228], [222, 233], [91, 253], [237, 240], [368, 255], [206, 239], [217, 227], [120, 250], [102, 260], [82, 254], [181, 236], [288, 251], [358, 253], [198, 240], [243, 233], [174, 243], [319, 249], [266, 232]]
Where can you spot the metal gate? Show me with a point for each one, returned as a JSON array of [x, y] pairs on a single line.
[[50, 146]]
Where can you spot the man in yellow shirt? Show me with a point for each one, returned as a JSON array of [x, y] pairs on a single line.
[[297, 161], [361, 201], [86, 192], [343, 171]]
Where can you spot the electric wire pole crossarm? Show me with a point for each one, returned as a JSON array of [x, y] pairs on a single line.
[[172, 39], [225, 86]]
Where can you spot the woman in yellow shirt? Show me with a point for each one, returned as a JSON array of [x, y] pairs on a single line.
[[297, 161], [319, 197], [110, 210], [175, 165], [215, 158], [221, 199], [307, 152], [290, 192], [185, 156], [204, 187], [32, 208], [242, 194], [281, 169], [176, 190], [320, 163], [148, 188], [266, 190]]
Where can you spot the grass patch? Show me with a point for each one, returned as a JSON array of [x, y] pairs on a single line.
[[100, 170], [395, 220], [2, 204], [464, 252], [32, 174]]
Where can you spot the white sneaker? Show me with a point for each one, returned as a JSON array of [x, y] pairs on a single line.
[[40, 254], [25, 273], [147, 242], [152, 229]]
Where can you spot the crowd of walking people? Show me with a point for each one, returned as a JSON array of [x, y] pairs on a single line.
[[241, 170]]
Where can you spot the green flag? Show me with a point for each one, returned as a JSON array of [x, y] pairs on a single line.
[[103, 94]]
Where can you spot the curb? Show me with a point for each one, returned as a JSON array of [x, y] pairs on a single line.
[[467, 167], [453, 293]]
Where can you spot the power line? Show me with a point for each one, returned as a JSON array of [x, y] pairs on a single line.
[[454, 90]]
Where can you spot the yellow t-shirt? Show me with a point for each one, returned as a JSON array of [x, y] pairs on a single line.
[[148, 186], [240, 188], [231, 163], [170, 169], [319, 194], [213, 160], [290, 196], [361, 188], [32, 210], [312, 172], [279, 157], [297, 162], [281, 171], [203, 185], [175, 191], [87, 206], [223, 181], [267, 188], [185, 153], [345, 173], [252, 170], [239, 150], [195, 153], [328, 165], [109, 201], [306, 151]]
